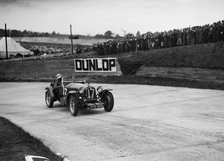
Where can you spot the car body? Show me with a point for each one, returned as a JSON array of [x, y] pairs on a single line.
[[80, 95]]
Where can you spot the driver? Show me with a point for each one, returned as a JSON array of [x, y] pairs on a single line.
[[58, 86]]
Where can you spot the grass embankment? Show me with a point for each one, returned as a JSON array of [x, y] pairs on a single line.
[[198, 66], [15, 144], [209, 56]]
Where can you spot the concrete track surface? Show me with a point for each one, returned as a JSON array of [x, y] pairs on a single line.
[[150, 123]]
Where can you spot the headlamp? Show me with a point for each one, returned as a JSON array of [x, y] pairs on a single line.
[[99, 89]]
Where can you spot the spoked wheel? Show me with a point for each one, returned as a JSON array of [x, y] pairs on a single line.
[[48, 99], [108, 101], [73, 105]]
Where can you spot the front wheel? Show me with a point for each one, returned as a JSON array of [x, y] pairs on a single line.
[[48, 99], [108, 101], [73, 105]]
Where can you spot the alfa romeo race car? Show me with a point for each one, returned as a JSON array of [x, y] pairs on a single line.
[[80, 95]]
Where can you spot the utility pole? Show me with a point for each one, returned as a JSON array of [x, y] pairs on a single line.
[[72, 37], [6, 45]]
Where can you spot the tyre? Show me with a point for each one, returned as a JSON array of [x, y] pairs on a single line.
[[48, 99], [73, 105], [108, 101]]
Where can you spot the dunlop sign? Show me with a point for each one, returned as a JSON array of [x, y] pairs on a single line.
[[96, 65]]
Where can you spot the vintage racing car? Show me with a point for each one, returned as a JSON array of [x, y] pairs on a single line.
[[80, 95]]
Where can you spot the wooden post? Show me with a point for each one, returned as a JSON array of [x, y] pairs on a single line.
[[136, 46], [6, 45], [71, 39]]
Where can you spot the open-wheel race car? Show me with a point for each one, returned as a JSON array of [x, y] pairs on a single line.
[[80, 95]]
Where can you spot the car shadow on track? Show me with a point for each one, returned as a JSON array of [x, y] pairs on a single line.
[[91, 112]]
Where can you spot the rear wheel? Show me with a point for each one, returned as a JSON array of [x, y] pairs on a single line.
[[48, 99], [108, 101], [73, 105]]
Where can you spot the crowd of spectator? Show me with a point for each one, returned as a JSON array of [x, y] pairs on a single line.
[[177, 37]]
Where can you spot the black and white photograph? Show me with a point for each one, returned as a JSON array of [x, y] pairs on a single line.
[[111, 80]]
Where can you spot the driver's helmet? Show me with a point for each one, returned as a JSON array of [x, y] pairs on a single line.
[[58, 76]]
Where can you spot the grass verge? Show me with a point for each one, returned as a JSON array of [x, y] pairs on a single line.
[[133, 79]]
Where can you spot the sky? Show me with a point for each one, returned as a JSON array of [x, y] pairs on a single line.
[[98, 16]]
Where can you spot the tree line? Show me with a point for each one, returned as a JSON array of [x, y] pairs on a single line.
[[26, 33]]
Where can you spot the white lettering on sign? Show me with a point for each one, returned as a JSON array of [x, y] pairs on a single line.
[[95, 65]]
